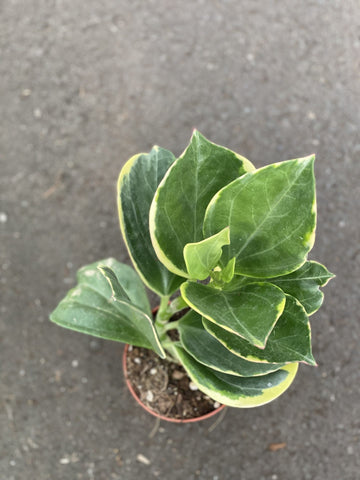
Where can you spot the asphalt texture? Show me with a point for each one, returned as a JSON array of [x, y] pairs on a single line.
[[84, 86]]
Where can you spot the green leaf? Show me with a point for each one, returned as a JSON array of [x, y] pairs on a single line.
[[118, 293], [90, 307], [128, 278], [178, 208], [289, 341], [304, 284], [226, 274], [137, 184], [250, 312], [202, 257], [272, 215], [210, 352], [237, 391], [220, 276], [239, 281]]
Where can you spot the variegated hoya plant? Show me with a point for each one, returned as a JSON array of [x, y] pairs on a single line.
[[234, 241]]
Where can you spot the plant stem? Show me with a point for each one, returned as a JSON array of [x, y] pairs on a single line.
[[178, 304], [163, 314], [162, 317], [169, 347], [171, 325]]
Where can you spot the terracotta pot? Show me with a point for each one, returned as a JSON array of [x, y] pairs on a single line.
[[162, 417]]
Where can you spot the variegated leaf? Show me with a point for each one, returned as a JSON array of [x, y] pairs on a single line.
[[120, 312], [289, 341], [303, 284], [177, 211], [137, 184], [250, 312], [210, 352], [237, 391], [272, 215]]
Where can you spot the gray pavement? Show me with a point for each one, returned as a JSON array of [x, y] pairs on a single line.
[[83, 86]]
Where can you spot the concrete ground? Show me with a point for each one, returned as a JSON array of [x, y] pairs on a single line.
[[83, 86]]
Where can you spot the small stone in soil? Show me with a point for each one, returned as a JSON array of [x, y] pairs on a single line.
[[137, 360], [177, 375], [149, 396], [193, 387], [171, 397]]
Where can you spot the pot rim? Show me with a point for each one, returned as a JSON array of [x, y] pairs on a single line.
[[152, 412]]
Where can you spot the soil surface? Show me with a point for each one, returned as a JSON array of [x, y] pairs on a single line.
[[164, 386]]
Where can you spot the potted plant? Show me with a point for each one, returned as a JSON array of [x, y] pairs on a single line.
[[224, 246]]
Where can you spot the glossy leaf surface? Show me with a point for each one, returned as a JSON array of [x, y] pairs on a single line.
[[272, 216], [118, 293], [250, 312], [289, 341], [120, 314], [130, 281], [303, 284], [178, 208], [238, 391], [202, 257], [210, 352], [137, 184]]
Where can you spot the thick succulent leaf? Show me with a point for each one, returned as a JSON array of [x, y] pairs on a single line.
[[178, 208], [250, 312], [91, 308], [303, 284], [137, 184], [272, 216], [289, 341], [237, 391], [210, 352], [202, 257]]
